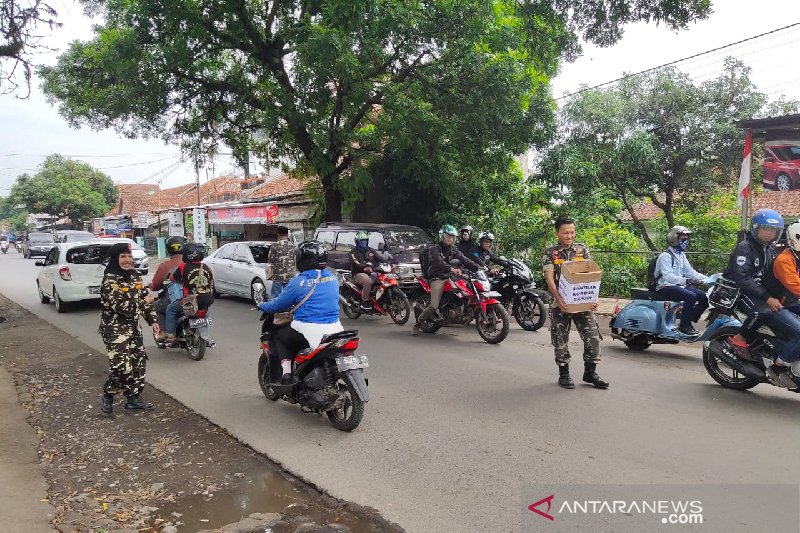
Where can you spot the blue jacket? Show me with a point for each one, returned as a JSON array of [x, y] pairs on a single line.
[[673, 268], [321, 308]]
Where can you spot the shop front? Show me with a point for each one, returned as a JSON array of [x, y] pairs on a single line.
[[256, 222]]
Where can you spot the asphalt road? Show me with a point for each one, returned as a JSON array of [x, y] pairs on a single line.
[[457, 430]]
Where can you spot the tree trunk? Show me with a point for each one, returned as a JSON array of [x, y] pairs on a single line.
[[333, 201]]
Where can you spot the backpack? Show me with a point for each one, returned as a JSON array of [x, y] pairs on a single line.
[[652, 279], [425, 260]]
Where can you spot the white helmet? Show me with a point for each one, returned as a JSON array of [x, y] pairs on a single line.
[[793, 236]]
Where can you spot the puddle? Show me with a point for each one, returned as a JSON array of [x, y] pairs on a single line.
[[266, 492]]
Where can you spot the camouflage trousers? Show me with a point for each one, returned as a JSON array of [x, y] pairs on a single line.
[[128, 363], [586, 324]]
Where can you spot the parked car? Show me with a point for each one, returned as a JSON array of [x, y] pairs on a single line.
[[403, 242], [74, 236], [782, 167], [71, 272], [239, 269], [37, 244], [140, 260]]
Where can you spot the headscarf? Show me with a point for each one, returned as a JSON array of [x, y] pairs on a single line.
[[113, 260]]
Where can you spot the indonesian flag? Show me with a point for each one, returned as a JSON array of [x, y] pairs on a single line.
[[744, 174]]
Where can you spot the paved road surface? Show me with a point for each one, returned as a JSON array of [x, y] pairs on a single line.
[[456, 428]]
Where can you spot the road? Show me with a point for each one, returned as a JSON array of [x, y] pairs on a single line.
[[456, 429]]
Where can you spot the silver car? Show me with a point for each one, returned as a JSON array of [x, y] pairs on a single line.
[[239, 269]]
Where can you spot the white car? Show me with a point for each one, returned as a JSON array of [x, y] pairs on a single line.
[[239, 269], [71, 272], [140, 260]]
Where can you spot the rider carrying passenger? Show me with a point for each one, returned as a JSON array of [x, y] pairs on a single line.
[[162, 275], [362, 260], [319, 313], [677, 279], [195, 278]]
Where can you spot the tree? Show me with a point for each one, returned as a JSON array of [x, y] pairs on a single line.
[[18, 37], [657, 137], [11, 215], [335, 84], [65, 188]]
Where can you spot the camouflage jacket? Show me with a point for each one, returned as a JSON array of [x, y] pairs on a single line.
[[122, 304], [556, 255], [281, 257]]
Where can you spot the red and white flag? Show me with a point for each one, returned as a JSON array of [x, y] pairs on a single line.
[[744, 174]]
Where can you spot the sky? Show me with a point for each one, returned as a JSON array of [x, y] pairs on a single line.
[[32, 129]]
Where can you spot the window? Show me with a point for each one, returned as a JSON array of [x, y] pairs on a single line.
[[52, 257], [260, 253], [375, 240], [345, 241], [226, 252], [327, 238], [241, 254], [87, 255]]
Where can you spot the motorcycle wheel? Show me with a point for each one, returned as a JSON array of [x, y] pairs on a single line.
[[349, 416], [347, 309], [195, 346], [263, 378], [638, 343], [399, 307], [530, 314], [427, 326], [495, 315], [718, 369]]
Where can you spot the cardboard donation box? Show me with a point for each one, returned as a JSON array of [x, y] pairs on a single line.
[[579, 285]]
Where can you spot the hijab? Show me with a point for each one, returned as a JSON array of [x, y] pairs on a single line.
[[113, 260]]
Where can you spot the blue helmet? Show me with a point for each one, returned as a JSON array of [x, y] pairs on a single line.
[[766, 218]]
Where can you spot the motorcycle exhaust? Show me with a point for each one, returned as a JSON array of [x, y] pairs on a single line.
[[744, 367]]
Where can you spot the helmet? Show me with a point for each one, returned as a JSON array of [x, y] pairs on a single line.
[[362, 236], [310, 255], [174, 245], [466, 227], [447, 229], [193, 252], [486, 236], [675, 233], [766, 218], [793, 236]]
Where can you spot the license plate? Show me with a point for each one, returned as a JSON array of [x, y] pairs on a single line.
[[199, 322], [351, 362], [94, 290]]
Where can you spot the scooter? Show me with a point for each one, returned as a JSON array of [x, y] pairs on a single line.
[[386, 297], [4, 246], [651, 319]]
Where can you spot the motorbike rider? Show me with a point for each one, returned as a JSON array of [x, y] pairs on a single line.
[[677, 280], [195, 277], [440, 269], [483, 253], [162, 274], [786, 269], [466, 245], [750, 267], [317, 316], [362, 259]]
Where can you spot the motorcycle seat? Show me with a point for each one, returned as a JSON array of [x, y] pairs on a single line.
[[647, 294], [346, 334]]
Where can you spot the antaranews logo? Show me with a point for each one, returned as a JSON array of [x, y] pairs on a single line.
[[549, 501], [669, 512]]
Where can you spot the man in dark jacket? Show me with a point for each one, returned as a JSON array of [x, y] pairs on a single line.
[[483, 253], [440, 269], [466, 245]]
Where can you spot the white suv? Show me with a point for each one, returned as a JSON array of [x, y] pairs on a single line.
[[71, 272]]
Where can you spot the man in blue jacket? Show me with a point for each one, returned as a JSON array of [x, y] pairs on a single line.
[[314, 296]]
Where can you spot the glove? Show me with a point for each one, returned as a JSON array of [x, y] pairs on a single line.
[[262, 307], [694, 282]]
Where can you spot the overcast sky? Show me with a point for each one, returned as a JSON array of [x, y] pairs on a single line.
[[32, 129]]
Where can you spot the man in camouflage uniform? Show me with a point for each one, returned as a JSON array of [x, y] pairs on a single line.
[[123, 301], [282, 260], [560, 321]]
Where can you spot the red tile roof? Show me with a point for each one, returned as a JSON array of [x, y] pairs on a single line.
[[134, 198], [280, 186], [787, 203]]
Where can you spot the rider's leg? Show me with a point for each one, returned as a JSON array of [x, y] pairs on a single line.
[[437, 288], [365, 282], [174, 310], [680, 294], [288, 341]]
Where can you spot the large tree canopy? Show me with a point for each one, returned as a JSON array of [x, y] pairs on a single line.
[[334, 84], [65, 188], [19, 20]]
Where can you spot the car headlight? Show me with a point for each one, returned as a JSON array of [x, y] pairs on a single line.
[[405, 271]]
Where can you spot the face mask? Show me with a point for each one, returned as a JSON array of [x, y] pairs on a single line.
[[683, 245], [361, 245]]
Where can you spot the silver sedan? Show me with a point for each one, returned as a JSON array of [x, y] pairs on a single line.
[[239, 269]]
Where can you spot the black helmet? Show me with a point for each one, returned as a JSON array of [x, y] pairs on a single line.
[[311, 255], [174, 245], [192, 252]]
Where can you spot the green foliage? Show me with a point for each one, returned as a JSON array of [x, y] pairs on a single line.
[[65, 188], [620, 270], [16, 219]]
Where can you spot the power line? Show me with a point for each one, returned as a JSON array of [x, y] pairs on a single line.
[[699, 54]]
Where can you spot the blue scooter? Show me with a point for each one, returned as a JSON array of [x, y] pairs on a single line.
[[650, 319]]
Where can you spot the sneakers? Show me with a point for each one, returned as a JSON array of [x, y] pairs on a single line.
[[742, 351], [210, 343], [781, 376], [135, 403], [366, 307], [287, 379], [688, 330]]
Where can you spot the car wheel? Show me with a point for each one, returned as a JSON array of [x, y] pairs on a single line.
[[61, 306], [783, 182], [42, 298]]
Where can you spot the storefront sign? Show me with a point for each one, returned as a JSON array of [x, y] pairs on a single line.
[[250, 214], [199, 225], [141, 220], [175, 219]]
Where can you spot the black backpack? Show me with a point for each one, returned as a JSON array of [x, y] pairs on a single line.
[[652, 279], [425, 260]]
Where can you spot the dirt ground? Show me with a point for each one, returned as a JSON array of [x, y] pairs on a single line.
[[163, 470]]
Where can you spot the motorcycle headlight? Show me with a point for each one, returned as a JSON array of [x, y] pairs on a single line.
[[405, 272]]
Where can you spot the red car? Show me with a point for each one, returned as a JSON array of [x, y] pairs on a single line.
[[782, 167]]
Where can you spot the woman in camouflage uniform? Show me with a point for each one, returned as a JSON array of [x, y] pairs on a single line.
[[123, 301]]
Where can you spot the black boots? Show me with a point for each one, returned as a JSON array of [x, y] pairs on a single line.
[[107, 403], [590, 376], [135, 403], [563, 377]]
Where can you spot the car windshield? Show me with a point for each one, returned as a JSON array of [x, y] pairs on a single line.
[[134, 244], [260, 253], [44, 238], [407, 239], [83, 236], [88, 255], [787, 153]]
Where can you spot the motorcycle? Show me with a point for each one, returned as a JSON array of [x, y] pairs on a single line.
[[386, 296], [465, 298], [519, 295], [4, 246], [327, 379], [652, 319], [190, 334]]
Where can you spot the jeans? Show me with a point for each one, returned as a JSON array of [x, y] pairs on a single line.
[[174, 310], [787, 325], [694, 302], [277, 288]]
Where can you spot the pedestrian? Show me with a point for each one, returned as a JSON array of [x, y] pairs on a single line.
[[123, 302], [560, 320], [281, 259]]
